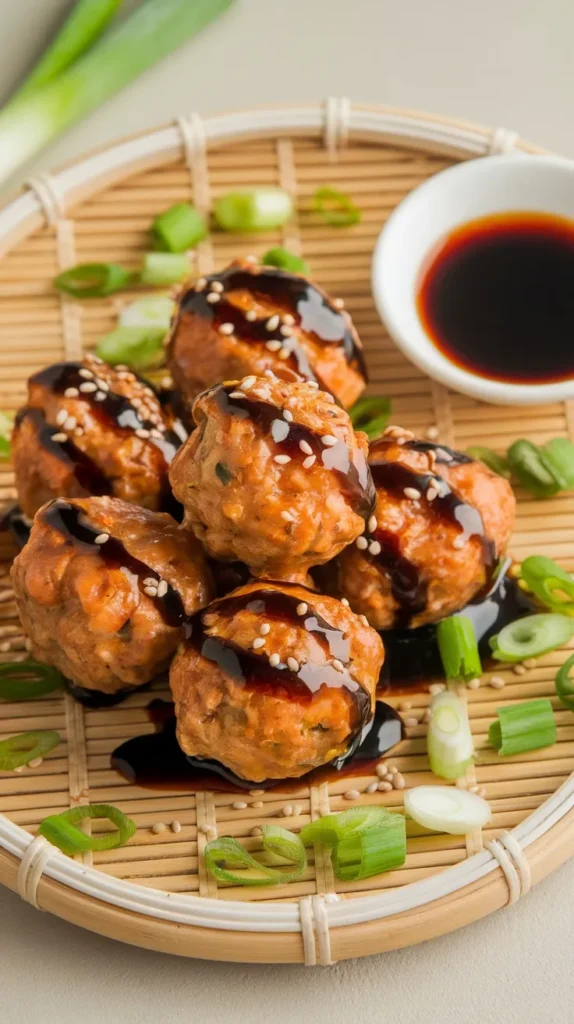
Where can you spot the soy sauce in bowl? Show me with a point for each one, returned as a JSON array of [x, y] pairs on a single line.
[[496, 296]]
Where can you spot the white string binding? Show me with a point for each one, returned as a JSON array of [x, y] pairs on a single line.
[[31, 869], [502, 140], [315, 929], [337, 113], [193, 139], [514, 863], [49, 197]]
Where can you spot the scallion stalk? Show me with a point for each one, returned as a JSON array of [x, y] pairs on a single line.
[[558, 457], [179, 228], [370, 853], [225, 855], [285, 260], [565, 683], [139, 347], [62, 829], [154, 30], [522, 727], [162, 268], [253, 209], [449, 739], [447, 809], [458, 648], [371, 415]]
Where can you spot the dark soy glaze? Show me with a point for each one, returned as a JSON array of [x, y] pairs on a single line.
[[353, 472], [72, 522], [313, 313], [253, 671], [497, 297], [446, 456], [156, 761], [12, 518], [99, 699], [85, 470]]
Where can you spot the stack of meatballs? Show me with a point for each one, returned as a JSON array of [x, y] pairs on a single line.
[[272, 678]]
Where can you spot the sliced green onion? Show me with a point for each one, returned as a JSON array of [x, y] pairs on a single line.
[[369, 853], [558, 457], [86, 22], [531, 636], [497, 463], [458, 648], [565, 683], [26, 746], [549, 583], [94, 280], [179, 228], [253, 209], [447, 809], [62, 829], [28, 680], [149, 311], [371, 415], [285, 260], [335, 207], [331, 828], [449, 739], [528, 468], [151, 32], [224, 855], [522, 727], [139, 347], [161, 268], [6, 427]]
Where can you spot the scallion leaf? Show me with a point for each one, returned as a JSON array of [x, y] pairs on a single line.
[[458, 648], [551, 584], [162, 268], [497, 463], [531, 636], [371, 415], [24, 747], [179, 228], [253, 209], [331, 828], [447, 809], [528, 468], [285, 260], [522, 727], [94, 280], [139, 347], [449, 739], [225, 855], [28, 680], [565, 683], [62, 829], [335, 207], [558, 457], [365, 854], [6, 427]]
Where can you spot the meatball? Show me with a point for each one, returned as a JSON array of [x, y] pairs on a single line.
[[441, 522], [274, 477], [248, 319], [89, 429], [103, 588], [274, 680]]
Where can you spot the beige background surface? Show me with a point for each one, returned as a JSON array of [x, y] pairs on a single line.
[[500, 62]]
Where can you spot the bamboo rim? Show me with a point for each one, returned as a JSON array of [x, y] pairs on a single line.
[[463, 892]]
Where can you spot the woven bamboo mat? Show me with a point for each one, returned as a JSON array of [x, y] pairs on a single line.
[[38, 327]]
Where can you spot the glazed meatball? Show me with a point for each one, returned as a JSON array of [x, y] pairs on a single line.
[[274, 680], [441, 522], [274, 477], [89, 429], [103, 588], [249, 318]]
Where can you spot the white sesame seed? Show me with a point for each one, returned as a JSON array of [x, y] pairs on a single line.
[[175, 826], [35, 762], [59, 437], [264, 628], [459, 542], [293, 664], [143, 433], [247, 383], [313, 384], [405, 705], [83, 372], [20, 768], [473, 684], [100, 396], [287, 516], [339, 303], [150, 581], [352, 794], [328, 440], [345, 602], [308, 462], [392, 770], [411, 492], [411, 721], [226, 328], [372, 787], [102, 538], [71, 393], [372, 524], [78, 431], [431, 494], [385, 787], [88, 386], [273, 346], [435, 688], [162, 588], [286, 331], [362, 543], [200, 284], [251, 315], [156, 433], [287, 811], [282, 460], [256, 831], [432, 433], [150, 591], [338, 665], [61, 417], [258, 642], [158, 827], [70, 423], [302, 608], [283, 353], [288, 415], [497, 682], [274, 660], [217, 286], [305, 447], [257, 803], [237, 394], [273, 322], [212, 297], [288, 319], [102, 384], [398, 781], [239, 805], [529, 663], [427, 715], [256, 792], [364, 620], [374, 548], [519, 670]]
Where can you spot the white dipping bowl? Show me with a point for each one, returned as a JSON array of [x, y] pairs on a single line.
[[464, 192]]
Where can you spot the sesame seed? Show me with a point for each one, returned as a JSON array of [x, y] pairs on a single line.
[[287, 332], [156, 433], [251, 315], [257, 803], [431, 494], [352, 794], [61, 417], [78, 431], [372, 787], [83, 372], [70, 423], [473, 684], [473, 789], [432, 433], [288, 415], [239, 805], [362, 543], [329, 398], [339, 303], [529, 663], [256, 792], [305, 447], [20, 768], [427, 715], [258, 642], [287, 811], [283, 353], [328, 440], [282, 460], [338, 665], [200, 284], [297, 810], [497, 682], [435, 688], [302, 608], [274, 660], [519, 670], [273, 323], [374, 548], [150, 591], [345, 602], [103, 385], [459, 543], [364, 620], [405, 705], [247, 383], [35, 762], [226, 328], [212, 297], [410, 722], [95, 359], [293, 664], [273, 346], [237, 394], [175, 826], [264, 628], [71, 393], [143, 433], [102, 538], [100, 396], [392, 770], [256, 831], [150, 581], [372, 524], [287, 516], [162, 588], [398, 781], [216, 286], [411, 492], [385, 787], [313, 384], [158, 827], [88, 386], [289, 319], [308, 462], [59, 437]]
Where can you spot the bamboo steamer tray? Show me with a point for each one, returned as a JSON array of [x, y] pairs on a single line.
[[155, 892]]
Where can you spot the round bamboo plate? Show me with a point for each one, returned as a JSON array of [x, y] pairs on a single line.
[[155, 892]]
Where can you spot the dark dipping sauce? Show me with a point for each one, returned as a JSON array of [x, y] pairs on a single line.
[[497, 297]]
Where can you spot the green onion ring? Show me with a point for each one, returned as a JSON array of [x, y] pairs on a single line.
[[335, 207], [225, 854], [450, 745], [531, 636], [28, 680], [62, 829], [528, 468], [523, 727], [549, 583], [371, 415], [558, 457], [18, 750], [564, 684], [139, 347], [94, 280], [285, 260], [179, 228]]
